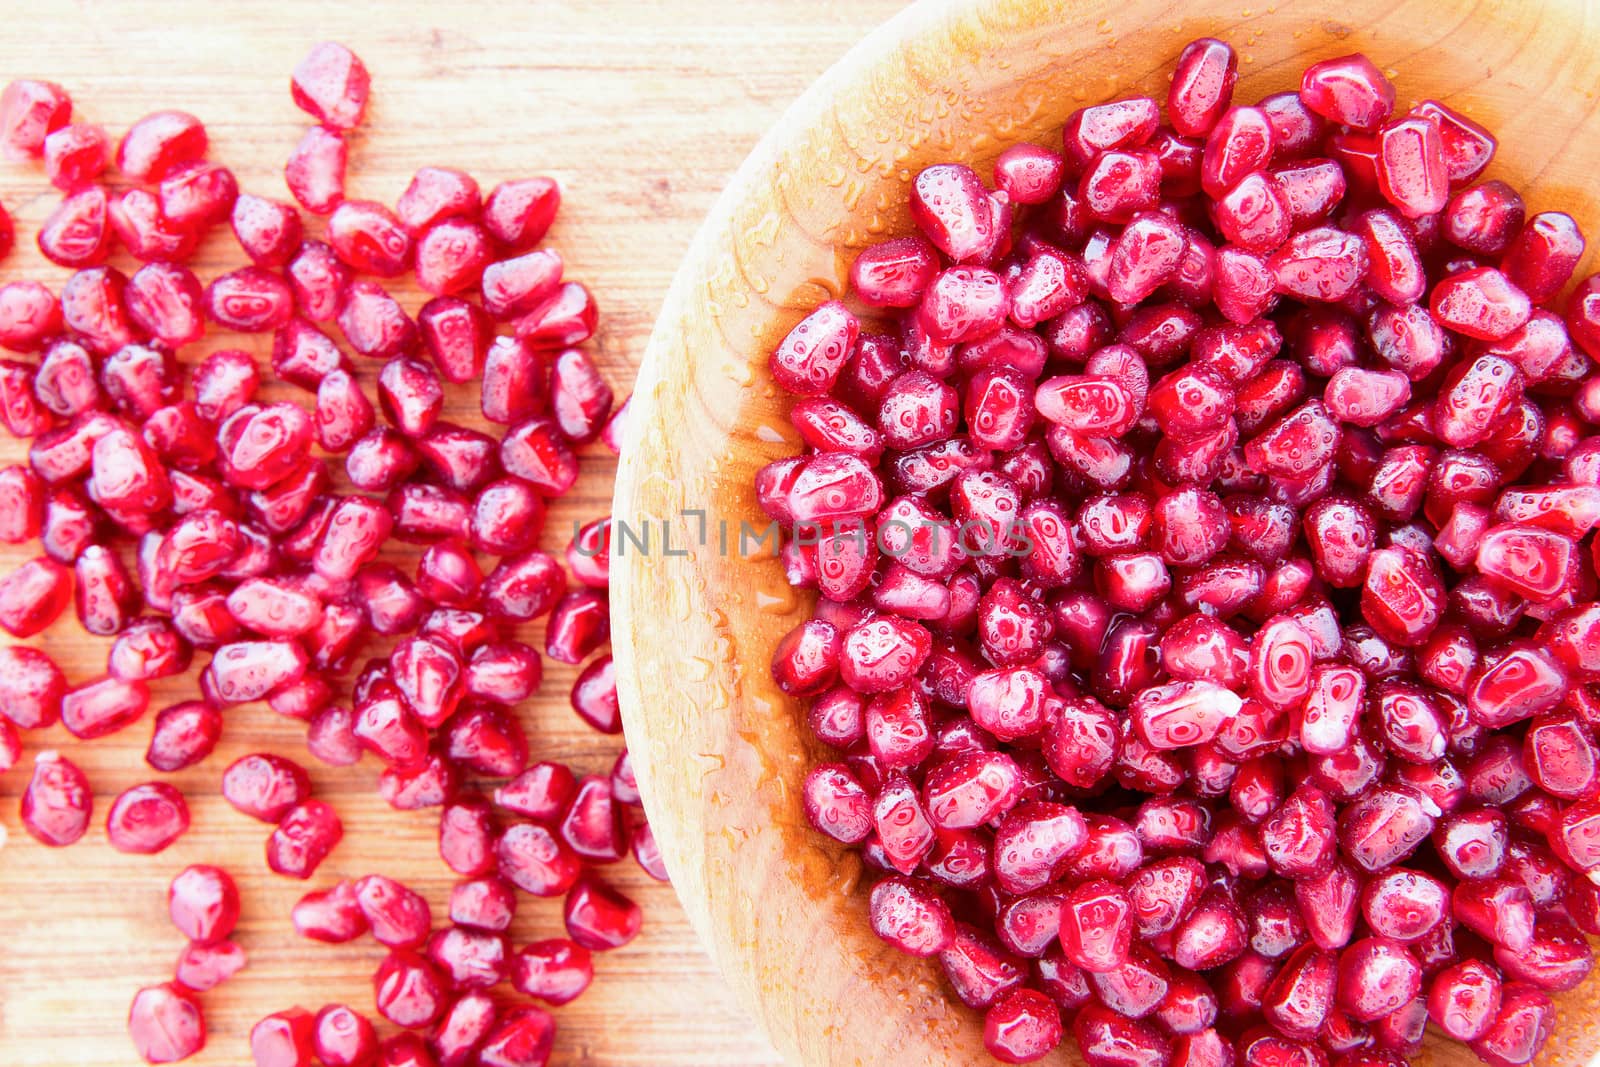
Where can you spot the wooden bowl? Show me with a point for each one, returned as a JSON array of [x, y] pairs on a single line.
[[720, 753]]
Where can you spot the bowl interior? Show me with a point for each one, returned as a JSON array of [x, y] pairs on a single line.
[[699, 598]]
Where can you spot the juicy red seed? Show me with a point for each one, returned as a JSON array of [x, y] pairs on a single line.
[[29, 112], [166, 1024], [485, 903], [1349, 90], [147, 818], [1202, 86], [598, 917], [103, 707], [75, 154], [303, 839], [251, 300], [137, 221], [57, 802], [203, 967], [368, 238], [331, 84], [341, 1037], [204, 904], [268, 230], [518, 213], [451, 256], [398, 917], [331, 915], [594, 696], [542, 792], [158, 142], [265, 786], [536, 860]]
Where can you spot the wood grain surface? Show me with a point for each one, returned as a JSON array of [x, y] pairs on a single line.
[[782, 907], [642, 110]]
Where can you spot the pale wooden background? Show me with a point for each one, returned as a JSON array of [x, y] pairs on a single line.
[[641, 110]]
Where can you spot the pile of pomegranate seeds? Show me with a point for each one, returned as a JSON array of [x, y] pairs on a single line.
[[1208, 630], [181, 510]]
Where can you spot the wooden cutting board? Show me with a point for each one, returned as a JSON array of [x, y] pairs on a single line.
[[641, 110]]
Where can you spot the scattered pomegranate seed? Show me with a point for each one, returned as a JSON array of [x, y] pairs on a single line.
[[410, 991], [315, 170], [397, 916], [147, 818], [165, 1024], [332, 915], [265, 786], [203, 967], [204, 904], [522, 1038], [486, 903], [29, 112], [556, 971], [303, 839]]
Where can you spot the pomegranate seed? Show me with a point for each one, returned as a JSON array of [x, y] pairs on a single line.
[[405, 1050], [1348, 90], [203, 967], [536, 861], [331, 915], [29, 313], [897, 273], [57, 802], [1202, 86], [331, 84], [341, 1037], [158, 142], [451, 256], [1021, 1027], [315, 170], [397, 916], [518, 213], [368, 238], [29, 112], [466, 837], [268, 230], [250, 300], [147, 818], [303, 839], [318, 280], [1106, 1039], [75, 154], [78, 233], [522, 1038], [471, 959], [197, 193], [265, 786], [184, 735], [1543, 254], [565, 317], [165, 1024], [593, 825], [204, 904], [1520, 1028], [103, 707], [598, 917], [484, 903], [104, 592], [556, 971], [92, 306], [136, 219], [282, 1039]]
